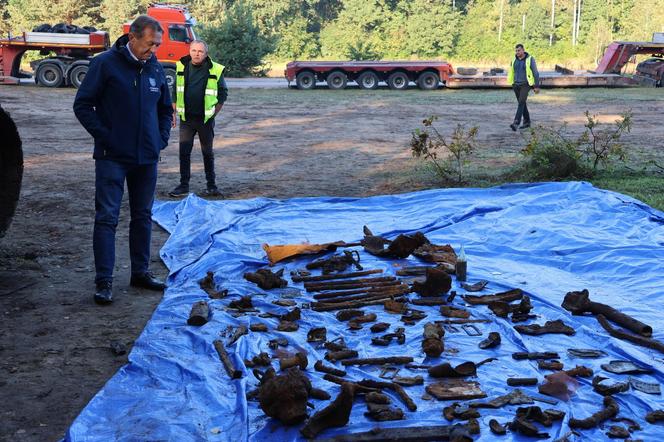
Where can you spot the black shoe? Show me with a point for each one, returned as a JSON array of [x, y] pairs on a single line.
[[147, 281], [513, 126], [181, 190], [104, 294], [211, 191], [525, 125]]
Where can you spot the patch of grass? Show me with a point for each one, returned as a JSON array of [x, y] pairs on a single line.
[[648, 188]]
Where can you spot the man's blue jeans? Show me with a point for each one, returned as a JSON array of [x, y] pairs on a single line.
[[141, 181]]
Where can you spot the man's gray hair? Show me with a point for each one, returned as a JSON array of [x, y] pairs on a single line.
[[201, 42], [142, 22]]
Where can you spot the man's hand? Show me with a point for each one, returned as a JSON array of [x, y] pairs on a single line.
[[175, 120], [536, 90], [217, 108]]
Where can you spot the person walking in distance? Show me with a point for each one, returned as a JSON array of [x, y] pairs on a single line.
[[124, 102], [198, 96], [523, 76]]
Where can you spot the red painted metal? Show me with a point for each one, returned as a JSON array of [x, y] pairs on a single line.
[[618, 53], [352, 68]]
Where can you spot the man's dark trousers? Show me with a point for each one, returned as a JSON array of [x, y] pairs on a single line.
[[191, 126], [141, 181], [521, 92]]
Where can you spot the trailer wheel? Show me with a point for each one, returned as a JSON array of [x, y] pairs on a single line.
[[50, 75], [77, 74], [11, 170], [368, 80], [170, 78], [337, 80], [428, 81], [305, 80], [398, 81]]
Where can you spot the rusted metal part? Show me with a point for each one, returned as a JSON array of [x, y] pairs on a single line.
[[199, 314], [632, 425], [454, 312], [522, 426], [455, 433], [588, 353], [237, 332], [379, 327], [292, 315], [336, 344], [655, 416], [285, 396], [334, 415], [559, 385], [618, 432], [579, 303], [493, 340], [445, 370], [608, 390], [336, 276], [317, 334], [346, 315], [334, 356], [458, 411], [411, 316], [383, 413], [535, 414], [422, 270], [463, 321], [375, 300], [625, 367], [645, 387], [298, 360], [367, 296], [471, 330], [393, 306], [207, 284], [344, 292], [477, 287], [521, 382], [320, 366], [319, 394], [377, 398], [378, 361], [401, 247], [550, 365], [260, 360], [437, 283], [337, 263], [455, 389], [278, 342], [267, 279], [550, 327], [284, 302], [244, 303], [356, 323], [339, 381], [519, 356], [385, 340], [611, 409], [432, 340], [636, 339], [508, 296], [408, 381], [579, 371], [227, 362], [429, 302], [287, 326], [442, 254], [515, 397], [349, 284], [496, 428], [398, 389]]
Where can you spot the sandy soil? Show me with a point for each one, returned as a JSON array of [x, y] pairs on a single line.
[[55, 342]]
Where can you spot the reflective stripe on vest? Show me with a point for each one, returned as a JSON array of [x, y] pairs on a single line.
[[210, 98], [530, 77]]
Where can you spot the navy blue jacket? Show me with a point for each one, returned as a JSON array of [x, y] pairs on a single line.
[[126, 106]]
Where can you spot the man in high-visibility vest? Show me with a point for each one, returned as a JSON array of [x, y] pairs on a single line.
[[198, 96], [523, 76]]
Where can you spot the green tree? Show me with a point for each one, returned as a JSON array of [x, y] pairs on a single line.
[[296, 42], [237, 42], [26, 14], [117, 12], [431, 27], [208, 12]]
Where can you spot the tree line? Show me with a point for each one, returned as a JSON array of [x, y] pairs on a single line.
[[573, 32]]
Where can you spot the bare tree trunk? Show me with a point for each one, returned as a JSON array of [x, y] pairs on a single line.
[[553, 21], [578, 22], [500, 26]]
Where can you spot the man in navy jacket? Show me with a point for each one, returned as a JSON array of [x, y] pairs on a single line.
[[125, 104]]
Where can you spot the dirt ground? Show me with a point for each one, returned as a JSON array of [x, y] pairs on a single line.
[[55, 342]]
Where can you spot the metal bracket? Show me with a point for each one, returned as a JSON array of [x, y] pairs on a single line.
[[388, 372], [471, 330]]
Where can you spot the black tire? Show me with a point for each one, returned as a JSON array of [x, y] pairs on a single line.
[[11, 170], [337, 80], [467, 71], [368, 80], [50, 75], [77, 74], [398, 81], [305, 80], [170, 78], [428, 81]]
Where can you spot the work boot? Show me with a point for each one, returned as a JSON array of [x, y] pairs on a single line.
[[147, 281], [180, 190], [514, 126], [525, 125], [212, 190], [104, 294]]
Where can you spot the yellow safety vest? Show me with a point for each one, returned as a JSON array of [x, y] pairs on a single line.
[[529, 72], [210, 89]]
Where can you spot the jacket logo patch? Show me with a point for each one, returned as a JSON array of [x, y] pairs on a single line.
[[153, 82]]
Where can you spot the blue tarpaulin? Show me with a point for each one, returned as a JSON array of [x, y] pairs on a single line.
[[546, 239]]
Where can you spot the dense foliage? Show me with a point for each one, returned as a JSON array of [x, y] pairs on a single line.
[[474, 30]]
